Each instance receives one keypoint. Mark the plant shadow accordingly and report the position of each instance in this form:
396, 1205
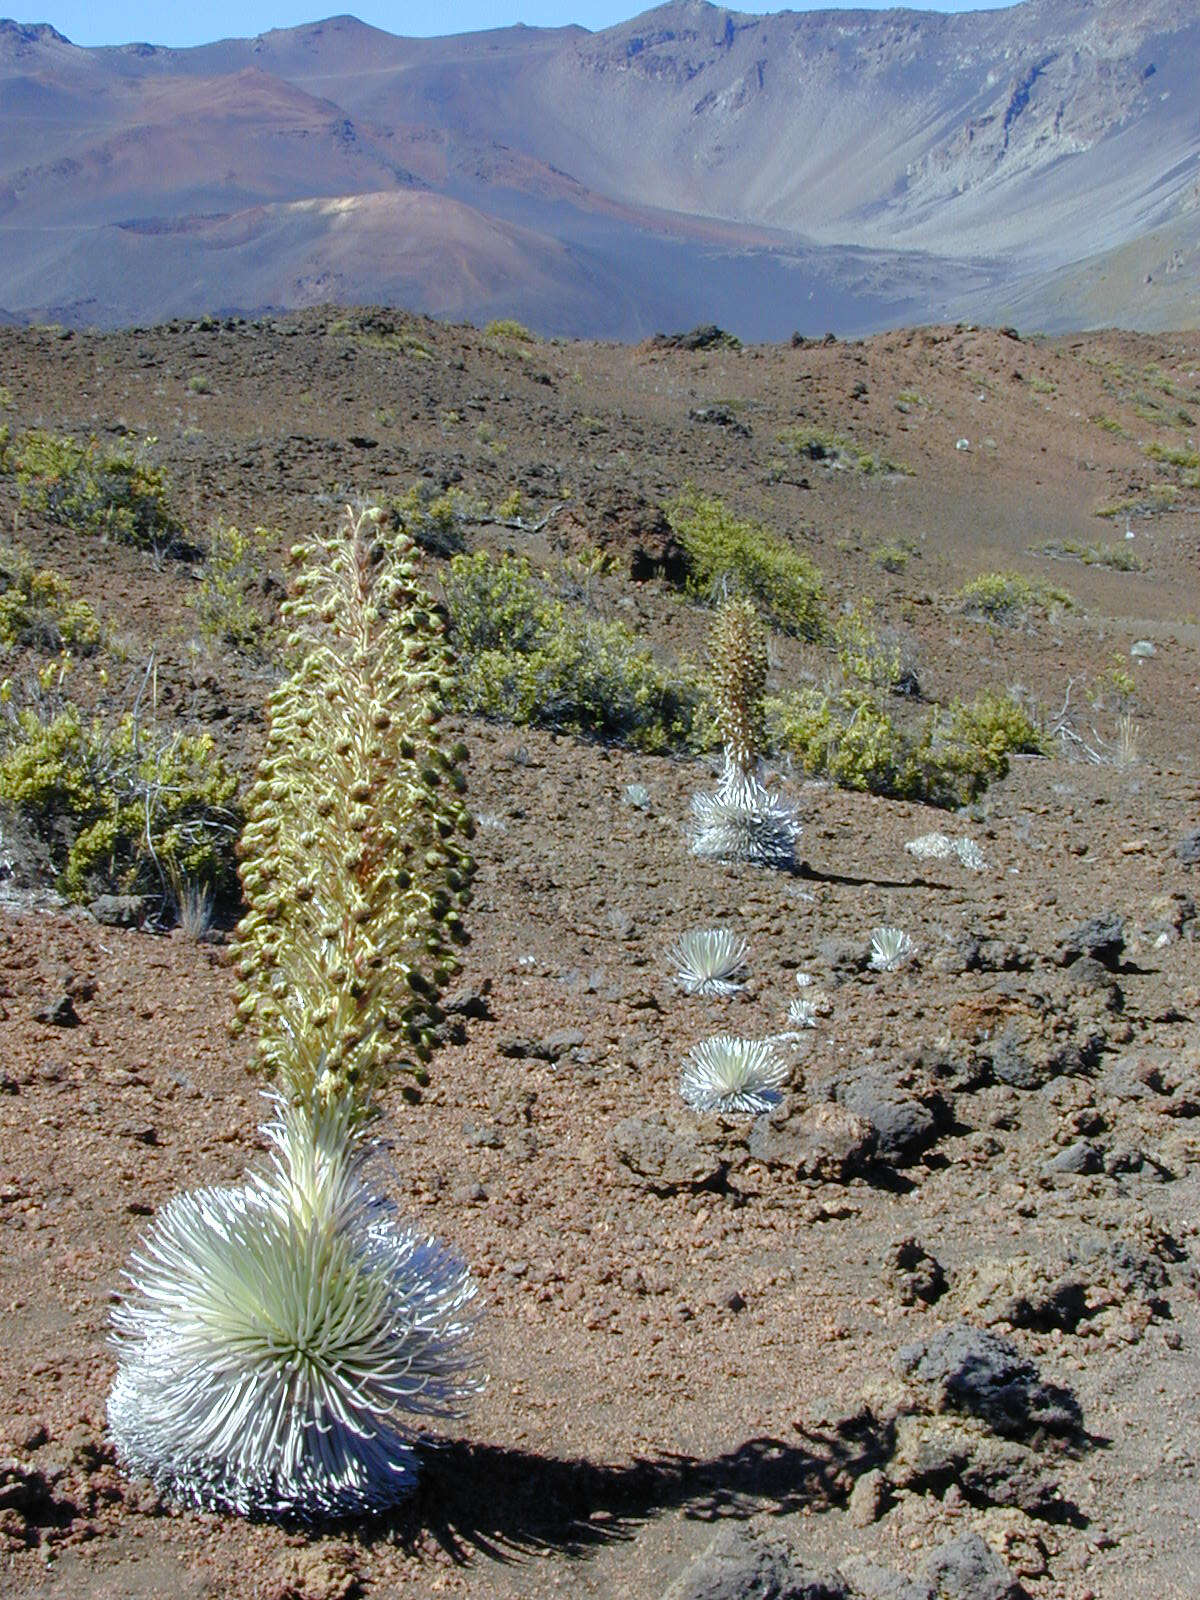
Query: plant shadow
506, 1503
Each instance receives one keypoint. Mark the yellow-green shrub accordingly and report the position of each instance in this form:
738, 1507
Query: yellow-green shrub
38, 611
525, 657
852, 738
112, 492
849, 732
729, 555
508, 328
1008, 598
434, 520
224, 598
121, 809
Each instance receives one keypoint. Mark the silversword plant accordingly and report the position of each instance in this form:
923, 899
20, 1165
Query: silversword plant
709, 961
280, 1339
281, 1336
355, 865
743, 820
730, 1075
891, 948
802, 1013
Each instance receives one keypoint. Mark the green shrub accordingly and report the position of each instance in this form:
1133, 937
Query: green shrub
837, 451
229, 579
849, 734
37, 610
1009, 598
1120, 557
431, 519
728, 555
121, 809
853, 739
112, 492
894, 555
508, 328
1173, 456
525, 657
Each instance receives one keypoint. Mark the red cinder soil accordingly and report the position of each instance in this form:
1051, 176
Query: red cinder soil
667, 1353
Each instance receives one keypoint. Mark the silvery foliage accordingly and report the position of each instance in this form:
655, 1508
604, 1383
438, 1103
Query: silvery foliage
279, 1338
733, 1075
938, 847
709, 961
891, 948
744, 821
802, 1013
636, 795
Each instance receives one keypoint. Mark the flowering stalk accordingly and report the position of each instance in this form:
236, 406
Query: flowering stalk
355, 870
278, 1338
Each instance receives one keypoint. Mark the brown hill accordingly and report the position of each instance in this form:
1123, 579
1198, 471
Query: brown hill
861, 168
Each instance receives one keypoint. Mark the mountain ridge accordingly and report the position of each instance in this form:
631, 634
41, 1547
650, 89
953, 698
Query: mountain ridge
1014, 151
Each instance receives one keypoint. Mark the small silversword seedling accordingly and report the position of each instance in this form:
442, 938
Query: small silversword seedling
891, 948
710, 961
802, 1013
940, 847
731, 1075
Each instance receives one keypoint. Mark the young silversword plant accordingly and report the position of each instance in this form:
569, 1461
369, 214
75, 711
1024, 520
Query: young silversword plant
735, 1076
891, 948
743, 820
710, 961
279, 1339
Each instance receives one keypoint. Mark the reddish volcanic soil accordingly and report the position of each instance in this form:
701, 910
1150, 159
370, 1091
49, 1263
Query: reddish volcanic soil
690, 1324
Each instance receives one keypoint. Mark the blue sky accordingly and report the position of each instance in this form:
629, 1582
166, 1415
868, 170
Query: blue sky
123, 21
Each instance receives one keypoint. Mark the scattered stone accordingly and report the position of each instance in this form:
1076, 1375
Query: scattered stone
550, 1048
968, 1569
913, 1273
707, 336
666, 1157
472, 1003
1188, 848
904, 1126
1024, 1294
119, 910
869, 1581
932, 1453
969, 1369
58, 1013
868, 1498
315, 1572
742, 1565
483, 1135
826, 1142
29, 1504
844, 957
1029, 1051
1102, 938
722, 416
1076, 1160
